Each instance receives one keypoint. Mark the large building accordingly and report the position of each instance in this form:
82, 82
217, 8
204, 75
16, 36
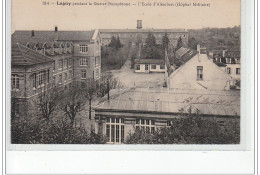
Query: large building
71, 56
139, 34
150, 109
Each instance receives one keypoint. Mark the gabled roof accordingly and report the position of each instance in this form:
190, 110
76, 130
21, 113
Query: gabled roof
148, 61
142, 30
23, 56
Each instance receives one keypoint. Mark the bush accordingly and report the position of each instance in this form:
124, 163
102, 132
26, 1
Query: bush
190, 130
59, 132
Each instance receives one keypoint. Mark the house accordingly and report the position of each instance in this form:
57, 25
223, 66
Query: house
150, 109
31, 74
229, 61
149, 65
133, 36
182, 55
200, 73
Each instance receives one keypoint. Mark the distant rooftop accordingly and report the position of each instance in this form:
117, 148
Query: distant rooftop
208, 103
148, 61
142, 30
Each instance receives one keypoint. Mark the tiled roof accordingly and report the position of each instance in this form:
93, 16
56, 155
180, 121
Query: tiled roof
232, 54
211, 103
25, 36
76, 35
21, 55
142, 30
148, 61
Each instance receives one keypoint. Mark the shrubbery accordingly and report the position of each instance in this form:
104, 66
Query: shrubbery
40, 131
190, 130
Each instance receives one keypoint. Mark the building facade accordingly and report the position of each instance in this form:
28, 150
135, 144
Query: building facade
149, 109
139, 34
149, 66
72, 56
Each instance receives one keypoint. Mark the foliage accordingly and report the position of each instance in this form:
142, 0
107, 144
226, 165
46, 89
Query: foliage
165, 41
192, 43
191, 129
218, 38
150, 40
112, 58
179, 43
154, 52
38, 131
115, 43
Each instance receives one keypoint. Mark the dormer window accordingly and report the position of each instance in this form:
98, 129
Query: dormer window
83, 48
228, 60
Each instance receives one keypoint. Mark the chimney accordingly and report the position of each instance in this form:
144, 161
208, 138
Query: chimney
198, 48
56, 29
33, 34
139, 24
223, 53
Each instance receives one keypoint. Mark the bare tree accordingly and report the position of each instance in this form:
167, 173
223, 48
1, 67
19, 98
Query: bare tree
72, 101
89, 91
47, 102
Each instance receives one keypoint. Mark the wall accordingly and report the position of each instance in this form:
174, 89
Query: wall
157, 69
233, 70
214, 78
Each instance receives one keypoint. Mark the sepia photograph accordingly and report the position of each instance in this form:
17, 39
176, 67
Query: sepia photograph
125, 72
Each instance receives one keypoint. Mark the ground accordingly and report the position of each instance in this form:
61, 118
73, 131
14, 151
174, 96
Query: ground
130, 79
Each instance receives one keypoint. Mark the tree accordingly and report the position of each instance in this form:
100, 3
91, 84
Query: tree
150, 40
180, 43
89, 91
165, 41
118, 43
72, 101
47, 101
192, 43
113, 42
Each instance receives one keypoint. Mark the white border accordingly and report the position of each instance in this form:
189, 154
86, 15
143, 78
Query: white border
149, 161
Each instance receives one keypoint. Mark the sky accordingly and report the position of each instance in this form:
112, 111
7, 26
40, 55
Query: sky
32, 15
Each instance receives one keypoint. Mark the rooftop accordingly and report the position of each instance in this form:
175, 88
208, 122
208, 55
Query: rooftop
148, 61
207, 102
142, 30
22, 56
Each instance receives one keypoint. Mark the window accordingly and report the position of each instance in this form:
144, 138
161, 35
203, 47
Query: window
54, 80
238, 71
83, 74
162, 66
145, 125
199, 72
137, 67
60, 65
65, 63
169, 123
15, 82
238, 60
83, 48
48, 76
34, 80
65, 77
83, 61
115, 130
70, 74
97, 73
228, 60
228, 70
41, 78
70, 62
146, 67
60, 79
153, 66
